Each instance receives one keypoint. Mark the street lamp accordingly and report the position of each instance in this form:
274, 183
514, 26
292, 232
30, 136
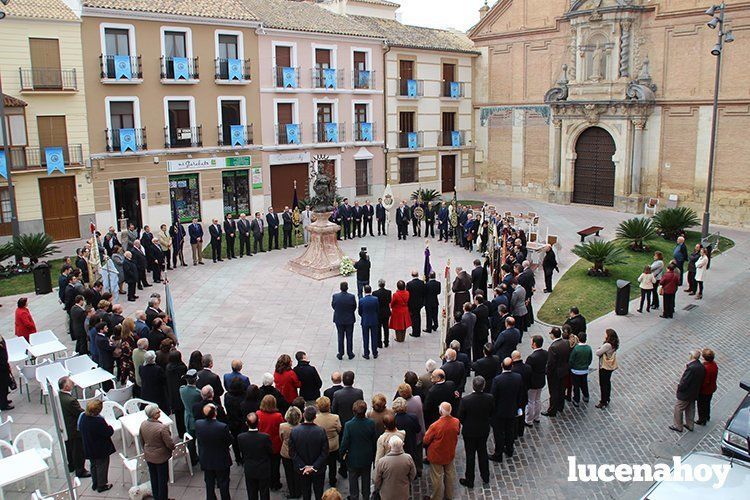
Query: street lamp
717, 21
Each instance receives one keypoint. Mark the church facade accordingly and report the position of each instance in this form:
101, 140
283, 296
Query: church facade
609, 102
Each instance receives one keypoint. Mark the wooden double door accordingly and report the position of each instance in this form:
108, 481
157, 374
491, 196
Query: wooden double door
594, 176
59, 207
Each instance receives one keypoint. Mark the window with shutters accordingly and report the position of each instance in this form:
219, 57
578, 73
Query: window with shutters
407, 170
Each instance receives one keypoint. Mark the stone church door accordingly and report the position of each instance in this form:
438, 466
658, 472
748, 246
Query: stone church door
594, 176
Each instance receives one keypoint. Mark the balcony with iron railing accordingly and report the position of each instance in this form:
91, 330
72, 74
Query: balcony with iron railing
48, 80
286, 136
126, 140
286, 77
412, 89
452, 138
364, 132
227, 138
410, 140
453, 90
225, 72
363, 79
183, 137
32, 158
179, 69
327, 78
120, 69
329, 132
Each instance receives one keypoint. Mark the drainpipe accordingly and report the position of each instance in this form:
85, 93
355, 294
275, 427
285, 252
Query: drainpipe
385, 113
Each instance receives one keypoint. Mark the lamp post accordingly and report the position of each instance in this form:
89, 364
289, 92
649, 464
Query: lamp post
717, 20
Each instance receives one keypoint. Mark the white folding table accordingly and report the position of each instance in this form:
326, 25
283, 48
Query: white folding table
21, 466
47, 348
131, 424
91, 377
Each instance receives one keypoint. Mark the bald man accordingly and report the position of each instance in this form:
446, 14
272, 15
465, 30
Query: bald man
440, 440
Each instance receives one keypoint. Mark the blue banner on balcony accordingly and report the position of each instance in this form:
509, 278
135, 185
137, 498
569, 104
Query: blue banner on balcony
235, 69
123, 68
292, 133
411, 140
363, 79
411, 88
456, 139
238, 135
55, 160
455, 90
329, 78
332, 132
3, 165
181, 68
365, 132
127, 140
289, 78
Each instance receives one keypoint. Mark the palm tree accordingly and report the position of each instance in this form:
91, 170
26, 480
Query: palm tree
600, 253
635, 232
34, 246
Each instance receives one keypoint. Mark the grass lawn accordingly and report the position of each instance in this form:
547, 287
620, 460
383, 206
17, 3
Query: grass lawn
472, 203
24, 283
595, 297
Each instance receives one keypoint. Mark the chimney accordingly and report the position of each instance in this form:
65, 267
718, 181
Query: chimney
483, 10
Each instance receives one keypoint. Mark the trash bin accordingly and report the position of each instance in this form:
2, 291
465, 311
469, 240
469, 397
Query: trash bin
622, 302
42, 278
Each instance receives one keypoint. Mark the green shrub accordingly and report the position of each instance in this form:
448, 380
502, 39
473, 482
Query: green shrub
601, 254
34, 246
7, 251
427, 195
671, 222
635, 232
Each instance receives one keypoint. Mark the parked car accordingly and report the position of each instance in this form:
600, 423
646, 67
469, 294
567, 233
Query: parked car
736, 439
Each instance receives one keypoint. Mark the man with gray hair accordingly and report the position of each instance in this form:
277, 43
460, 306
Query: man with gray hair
71, 411
425, 380
384, 297
152, 311
687, 392
440, 440
207, 377
130, 275
395, 471
157, 450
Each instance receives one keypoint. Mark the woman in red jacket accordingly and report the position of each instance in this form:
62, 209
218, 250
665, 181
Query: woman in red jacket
269, 421
400, 318
285, 379
668, 284
707, 388
25, 325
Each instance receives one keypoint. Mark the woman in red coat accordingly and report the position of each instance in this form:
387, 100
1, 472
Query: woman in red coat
708, 387
400, 318
269, 421
25, 325
669, 283
285, 379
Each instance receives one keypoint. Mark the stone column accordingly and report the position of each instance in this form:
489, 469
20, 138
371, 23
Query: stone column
518, 154
635, 179
556, 159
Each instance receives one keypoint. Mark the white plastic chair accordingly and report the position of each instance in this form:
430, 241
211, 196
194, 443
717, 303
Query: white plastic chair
52, 372
39, 440
17, 347
136, 466
120, 395
6, 430
134, 405
27, 373
181, 451
59, 495
110, 410
7, 449
42, 337
83, 402
79, 364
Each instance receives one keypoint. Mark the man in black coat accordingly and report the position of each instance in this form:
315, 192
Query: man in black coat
475, 415
442, 390
230, 230
403, 216
537, 360
416, 289
139, 256
527, 280
384, 312
345, 397
458, 331
506, 389
308, 449
357, 215
214, 439
272, 220
507, 340
215, 231
454, 370
524, 370
207, 377
416, 224
549, 264
243, 231
336, 380
308, 377
481, 327
130, 271
576, 321
687, 392
432, 303
488, 367
77, 328
368, 213
479, 279
286, 227
105, 350
558, 367
429, 220
256, 452
71, 410
345, 211
256, 227
381, 216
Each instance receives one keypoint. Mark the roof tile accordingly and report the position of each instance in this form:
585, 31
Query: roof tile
39, 9
217, 9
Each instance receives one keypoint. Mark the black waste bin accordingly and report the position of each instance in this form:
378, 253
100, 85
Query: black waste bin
622, 302
42, 278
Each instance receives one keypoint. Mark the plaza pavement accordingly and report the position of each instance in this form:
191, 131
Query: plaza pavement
253, 309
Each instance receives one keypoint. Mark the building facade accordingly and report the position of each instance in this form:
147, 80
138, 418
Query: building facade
41, 67
608, 102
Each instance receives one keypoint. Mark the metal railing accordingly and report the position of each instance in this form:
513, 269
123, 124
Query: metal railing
319, 80
447, 89
446, 138
282, 137
222, 69
114, 143
170, 72
48, 79
26, 158
358, 134
183, 137
225, 135
408, 89
323, 133
363, 79
108, 71
278, 77
410, 140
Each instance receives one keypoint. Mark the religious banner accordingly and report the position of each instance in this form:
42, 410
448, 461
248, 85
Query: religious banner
411, 139
332, 132
3, 165
289, 77
55, 160
329, 78
181, 68
456, 139
411, 88
123, 68
235, 69
365, 132
455, 90
238, 135
363, 79
127, 139
292, 133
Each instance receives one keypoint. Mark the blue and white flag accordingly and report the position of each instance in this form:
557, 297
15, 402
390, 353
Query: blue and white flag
127, 139
55, 160
455, 90
235, 69
3, 165
456, 139
329, 78
238, 135
411, 139
289, 77
365, 131
292, 133
181, 68
332, 132
411, 88
123, 68
363, 79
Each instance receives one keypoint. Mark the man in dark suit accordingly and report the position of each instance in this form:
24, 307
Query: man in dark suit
104, 350
130, 272
370, 322
403, 216
687, 392
442, 218
558, 367
243, 230
156, 259
214, 230
214, 439
429, 220
195, 232
549, 264
141, 262
256, 452
71, 410
506, 389
381, 216
384, 312
344, 398
454, 370
475, 415
357, 215
576, 321
77, 329
368, 213
488, 367
527, 280
345, 211
478, 279
416, 223
431, 303
442, 390
272, 219
344, 304
177, 233
256, 227
207, 377
481, 326
416, 289
308, 376
537, 360
230, 230
336, 380
494, 306
308, 449
287, 224
524, 371
508, 339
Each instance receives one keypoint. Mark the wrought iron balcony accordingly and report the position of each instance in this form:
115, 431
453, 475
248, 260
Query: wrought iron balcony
183, 137
119, 142
327, 78
226, 138
363, 79
410, 140
454, 90
111, 71
329, 132
452, 138
30, 158
172, 68
286, 77
284, 137
410, 88
48, 79
222, 70
364, 132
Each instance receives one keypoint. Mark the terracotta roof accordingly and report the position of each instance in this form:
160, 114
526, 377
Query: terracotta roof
217, 9
39, 9
378, 2
417, 37
13, 102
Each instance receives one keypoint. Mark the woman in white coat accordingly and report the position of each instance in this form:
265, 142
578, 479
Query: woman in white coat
700, 271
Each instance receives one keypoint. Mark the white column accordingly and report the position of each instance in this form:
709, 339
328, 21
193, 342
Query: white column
556, 159
635, 179
517, 147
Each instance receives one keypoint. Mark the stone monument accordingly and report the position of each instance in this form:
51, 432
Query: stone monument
322, 257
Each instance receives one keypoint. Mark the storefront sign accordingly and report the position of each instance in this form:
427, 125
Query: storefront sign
190, 164
257, 178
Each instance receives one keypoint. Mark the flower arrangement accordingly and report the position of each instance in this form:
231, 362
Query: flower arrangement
347, 266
